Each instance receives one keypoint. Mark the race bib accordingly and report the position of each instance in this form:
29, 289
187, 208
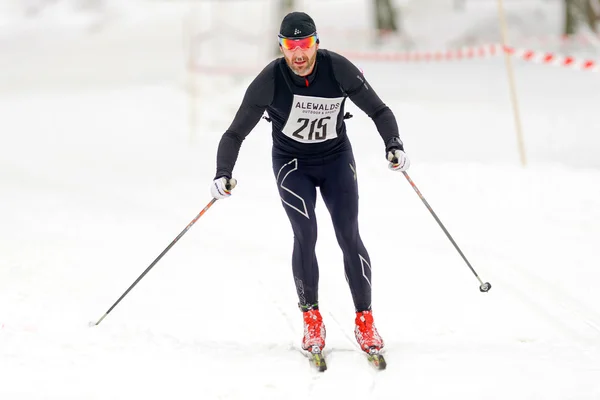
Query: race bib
313, 119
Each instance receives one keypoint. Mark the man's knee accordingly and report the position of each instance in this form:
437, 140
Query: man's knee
306, 233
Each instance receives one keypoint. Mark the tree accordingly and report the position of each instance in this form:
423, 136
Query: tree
592, 11
385, 16
570, 20
581, 11
459, 5
285, 7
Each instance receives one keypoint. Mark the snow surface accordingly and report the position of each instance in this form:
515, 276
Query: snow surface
99, 173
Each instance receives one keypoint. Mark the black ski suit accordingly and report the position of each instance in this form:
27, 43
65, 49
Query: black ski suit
311, 149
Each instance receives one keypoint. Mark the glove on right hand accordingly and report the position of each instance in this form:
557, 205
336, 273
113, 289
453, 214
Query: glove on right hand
221, 187
398, 160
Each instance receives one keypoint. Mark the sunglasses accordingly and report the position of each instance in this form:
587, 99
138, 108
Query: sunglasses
303, 43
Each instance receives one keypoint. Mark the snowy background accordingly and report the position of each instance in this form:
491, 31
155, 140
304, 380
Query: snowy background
107, 152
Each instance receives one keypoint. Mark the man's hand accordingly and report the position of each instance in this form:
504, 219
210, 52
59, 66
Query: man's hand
221, 187
398, 160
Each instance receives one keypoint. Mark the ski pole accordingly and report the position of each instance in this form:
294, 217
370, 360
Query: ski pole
484, 287
158, 258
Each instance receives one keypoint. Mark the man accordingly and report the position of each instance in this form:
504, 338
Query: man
304, 94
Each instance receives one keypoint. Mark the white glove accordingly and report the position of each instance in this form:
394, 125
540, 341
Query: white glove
398, 160
221, 187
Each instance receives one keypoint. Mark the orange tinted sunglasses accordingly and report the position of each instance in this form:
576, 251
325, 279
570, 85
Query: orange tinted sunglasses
303, 43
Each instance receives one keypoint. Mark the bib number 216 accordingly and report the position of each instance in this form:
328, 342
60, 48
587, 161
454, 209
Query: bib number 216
317, 128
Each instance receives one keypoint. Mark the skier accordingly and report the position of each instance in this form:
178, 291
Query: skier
304, 93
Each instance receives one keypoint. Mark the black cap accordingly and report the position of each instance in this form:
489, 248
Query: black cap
297, 25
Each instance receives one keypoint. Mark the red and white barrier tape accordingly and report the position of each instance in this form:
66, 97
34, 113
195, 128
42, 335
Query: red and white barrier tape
554, 59
479, 52
586, 40
485, 51
446, 55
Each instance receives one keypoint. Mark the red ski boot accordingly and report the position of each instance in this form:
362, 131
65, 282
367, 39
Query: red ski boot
365, 332
314, 330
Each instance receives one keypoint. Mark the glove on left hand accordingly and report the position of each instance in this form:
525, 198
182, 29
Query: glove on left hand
221, 187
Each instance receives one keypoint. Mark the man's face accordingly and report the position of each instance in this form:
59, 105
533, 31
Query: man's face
300, 60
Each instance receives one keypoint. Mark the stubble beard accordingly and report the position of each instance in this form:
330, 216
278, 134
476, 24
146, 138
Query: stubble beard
301, 71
